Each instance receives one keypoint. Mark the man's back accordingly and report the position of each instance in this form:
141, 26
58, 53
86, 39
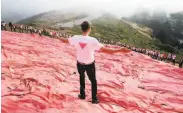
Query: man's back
85, 46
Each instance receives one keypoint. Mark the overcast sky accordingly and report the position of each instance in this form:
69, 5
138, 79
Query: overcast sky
117, 7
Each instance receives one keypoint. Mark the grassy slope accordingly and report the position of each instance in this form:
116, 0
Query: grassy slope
108, 27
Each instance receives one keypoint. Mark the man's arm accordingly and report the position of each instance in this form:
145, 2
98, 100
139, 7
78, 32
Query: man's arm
64, 40
111, 51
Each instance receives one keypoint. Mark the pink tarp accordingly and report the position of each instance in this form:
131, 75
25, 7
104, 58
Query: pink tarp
39, 76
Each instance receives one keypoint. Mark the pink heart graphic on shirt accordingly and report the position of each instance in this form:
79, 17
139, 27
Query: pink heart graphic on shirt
82, 45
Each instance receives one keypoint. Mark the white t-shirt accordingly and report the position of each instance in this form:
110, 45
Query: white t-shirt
4, 24
85, 46
173, 57
50, 33
159, 54
169, 55
162, 55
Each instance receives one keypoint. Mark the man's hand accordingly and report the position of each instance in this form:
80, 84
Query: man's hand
124, 50
64, 40
111, 51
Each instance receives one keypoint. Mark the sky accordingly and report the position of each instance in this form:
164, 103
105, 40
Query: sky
115, 7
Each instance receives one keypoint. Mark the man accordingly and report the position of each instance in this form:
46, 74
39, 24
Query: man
155, 55
30, 29
21, 28
11, 25
181, 62
44, 32
159, 56
14, 27
57, 35
54, 34
51, 34
152, 54
35, 30
3, 25
133, 48
173, 58
65, 35
27, 28
40, 32
162, 56
86, 46
169, 57
147, 52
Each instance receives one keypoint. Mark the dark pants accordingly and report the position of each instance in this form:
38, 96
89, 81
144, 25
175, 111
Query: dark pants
14, 29
31, 31
90, 70
3, 28
21, 30
11, 27
40, 34
180, 64
173, 60
27, 30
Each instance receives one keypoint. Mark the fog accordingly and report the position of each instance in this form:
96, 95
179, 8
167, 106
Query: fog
19, 9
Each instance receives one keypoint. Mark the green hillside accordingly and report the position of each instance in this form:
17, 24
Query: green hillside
108, 27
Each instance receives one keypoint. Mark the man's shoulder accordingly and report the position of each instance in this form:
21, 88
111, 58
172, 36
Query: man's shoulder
92, 38
75, 36
80, 36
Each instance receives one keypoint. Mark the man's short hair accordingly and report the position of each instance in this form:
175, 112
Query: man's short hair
85, 26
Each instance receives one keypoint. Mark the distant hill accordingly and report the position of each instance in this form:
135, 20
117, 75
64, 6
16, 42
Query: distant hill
13, 17
104, 26
51, 18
